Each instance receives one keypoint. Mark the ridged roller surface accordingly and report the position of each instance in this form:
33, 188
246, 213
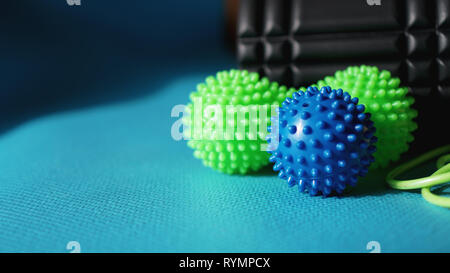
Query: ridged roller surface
298, 42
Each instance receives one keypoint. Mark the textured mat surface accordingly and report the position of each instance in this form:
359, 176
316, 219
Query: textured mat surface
113, 179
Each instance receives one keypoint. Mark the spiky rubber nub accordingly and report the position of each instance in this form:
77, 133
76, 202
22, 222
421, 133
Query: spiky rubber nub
326, 141
234, 87
386, 101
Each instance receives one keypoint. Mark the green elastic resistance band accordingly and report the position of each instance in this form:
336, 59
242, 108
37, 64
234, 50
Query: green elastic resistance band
426, 192
441, 176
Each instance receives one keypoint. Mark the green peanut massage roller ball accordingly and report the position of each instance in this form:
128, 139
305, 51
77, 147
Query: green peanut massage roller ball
386, 101
221, 126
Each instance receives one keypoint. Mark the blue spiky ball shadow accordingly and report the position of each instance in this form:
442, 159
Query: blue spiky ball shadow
325, 141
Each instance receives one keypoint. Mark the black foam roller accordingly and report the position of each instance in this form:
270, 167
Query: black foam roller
298, 42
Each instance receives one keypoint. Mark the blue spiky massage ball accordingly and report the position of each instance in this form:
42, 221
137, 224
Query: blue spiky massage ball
325, 141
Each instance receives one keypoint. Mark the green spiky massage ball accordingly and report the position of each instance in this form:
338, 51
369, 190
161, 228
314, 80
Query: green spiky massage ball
386, 101
232, 151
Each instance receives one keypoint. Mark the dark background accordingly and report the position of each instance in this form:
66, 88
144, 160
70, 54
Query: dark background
55, 57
